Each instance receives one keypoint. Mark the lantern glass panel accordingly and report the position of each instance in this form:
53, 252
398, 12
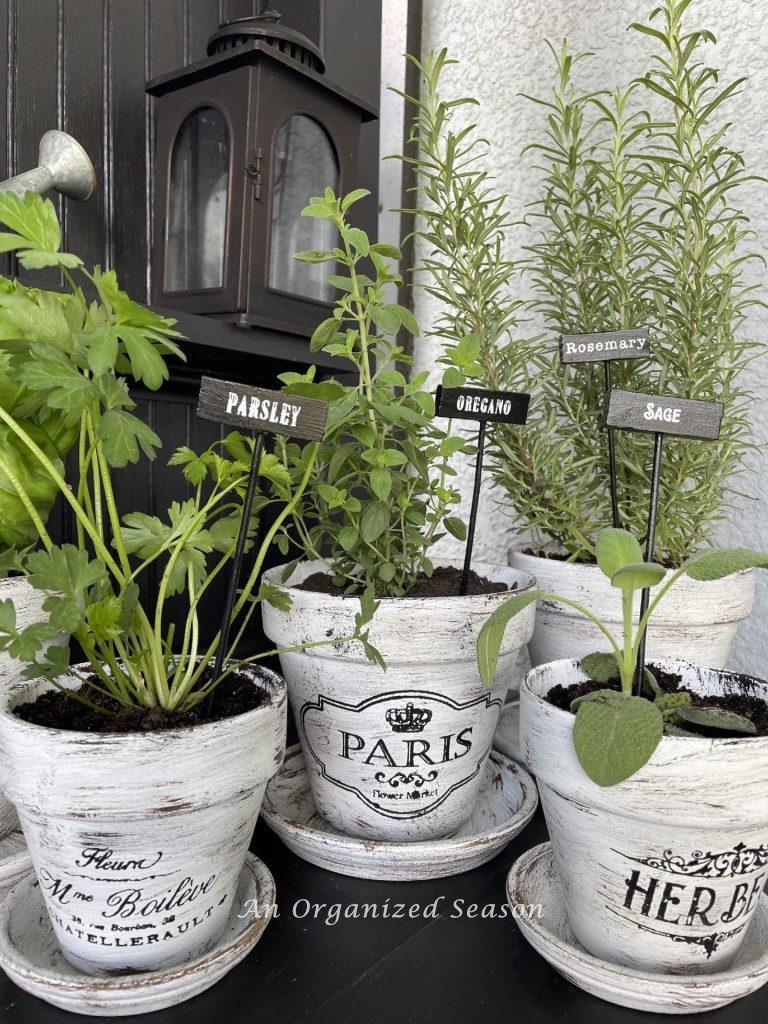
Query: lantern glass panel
197, 215
305, 165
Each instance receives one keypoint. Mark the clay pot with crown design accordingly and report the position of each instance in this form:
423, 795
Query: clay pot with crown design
395, 755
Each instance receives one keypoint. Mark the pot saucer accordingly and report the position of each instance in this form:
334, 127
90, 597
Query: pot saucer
15, 861
533, 880
507, 802
30, 955
506, 739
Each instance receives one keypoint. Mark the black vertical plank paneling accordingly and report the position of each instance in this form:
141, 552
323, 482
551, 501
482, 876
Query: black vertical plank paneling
36, 92
125, 68
7, 70
352, 42
83, 117
165, 50
239, 8
166, 36
202, 21
303, 15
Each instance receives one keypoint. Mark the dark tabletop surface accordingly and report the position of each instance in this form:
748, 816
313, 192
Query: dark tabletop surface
388, 971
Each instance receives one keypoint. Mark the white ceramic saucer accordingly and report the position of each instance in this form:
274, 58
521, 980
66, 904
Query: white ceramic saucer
507, 736
15, 861
30, 955
507, 802
533, 881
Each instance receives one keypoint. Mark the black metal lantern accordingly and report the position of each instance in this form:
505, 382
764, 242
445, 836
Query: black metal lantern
243, 139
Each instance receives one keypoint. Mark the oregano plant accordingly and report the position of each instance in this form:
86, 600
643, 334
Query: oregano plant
382, 492
616, 732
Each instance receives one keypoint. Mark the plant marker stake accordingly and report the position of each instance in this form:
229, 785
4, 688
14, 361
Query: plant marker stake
473, 512
237, 567
650, 544
660, 415
605, 348
612, 454
260, 411
484, 407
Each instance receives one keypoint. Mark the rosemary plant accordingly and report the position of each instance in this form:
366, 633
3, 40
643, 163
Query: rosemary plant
464, 227
381, 495
79, 362
640, 226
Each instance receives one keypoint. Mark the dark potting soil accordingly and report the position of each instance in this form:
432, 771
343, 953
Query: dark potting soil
444, 582
234, 696
745, 704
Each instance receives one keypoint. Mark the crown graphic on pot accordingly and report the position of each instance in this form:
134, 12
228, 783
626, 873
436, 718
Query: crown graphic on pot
408, 719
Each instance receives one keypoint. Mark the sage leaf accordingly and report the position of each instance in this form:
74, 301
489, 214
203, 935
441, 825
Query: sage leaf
601, 666
714, 565
638, 576
492, 634
615, 738
718, 718
615, 549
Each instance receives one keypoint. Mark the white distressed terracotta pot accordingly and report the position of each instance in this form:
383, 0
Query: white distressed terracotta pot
664, 871
696, 622
28, 603
138, 839
396, 755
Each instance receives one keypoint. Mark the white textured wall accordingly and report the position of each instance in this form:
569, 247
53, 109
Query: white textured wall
500, 44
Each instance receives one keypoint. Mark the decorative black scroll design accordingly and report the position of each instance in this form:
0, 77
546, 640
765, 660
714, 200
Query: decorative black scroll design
741, 860
709, 943
405, 780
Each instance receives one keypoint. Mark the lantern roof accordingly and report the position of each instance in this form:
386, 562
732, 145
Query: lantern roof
253, 52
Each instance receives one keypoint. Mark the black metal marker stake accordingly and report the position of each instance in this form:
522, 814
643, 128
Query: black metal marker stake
660, 415
483, 407
473, 511
606, 347
612, 453
262, 412
237, 566
650, 545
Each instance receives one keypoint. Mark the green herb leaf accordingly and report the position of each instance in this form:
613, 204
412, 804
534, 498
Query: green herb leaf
375, 521
456, 527
37, 235
602, 667
492, 633
721, 562
718, 718
638, 576
146, 363
121, 435
381, 484
323, 333
67, 570
615, 737
615, 549
387, 319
